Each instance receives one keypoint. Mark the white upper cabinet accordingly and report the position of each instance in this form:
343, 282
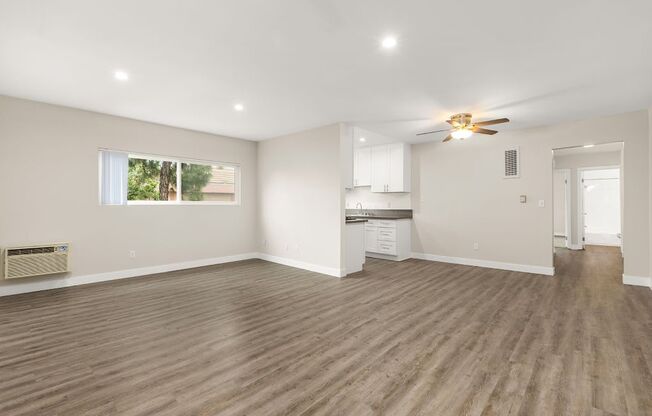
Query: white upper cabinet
362, 167
379, 168
390, 168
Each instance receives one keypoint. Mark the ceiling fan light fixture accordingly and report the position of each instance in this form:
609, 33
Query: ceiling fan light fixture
460, 134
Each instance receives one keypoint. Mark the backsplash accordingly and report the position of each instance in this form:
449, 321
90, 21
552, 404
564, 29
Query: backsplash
374, 200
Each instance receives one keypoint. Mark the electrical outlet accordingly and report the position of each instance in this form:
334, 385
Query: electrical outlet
132, 254
476, 246
542, 203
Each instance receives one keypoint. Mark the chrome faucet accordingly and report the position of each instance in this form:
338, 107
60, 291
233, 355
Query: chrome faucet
359, 209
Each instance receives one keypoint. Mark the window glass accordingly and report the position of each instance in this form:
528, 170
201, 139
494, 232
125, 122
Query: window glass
201, 182
152, 180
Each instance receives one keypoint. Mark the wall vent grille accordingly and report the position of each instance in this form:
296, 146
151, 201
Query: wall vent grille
512, 163
35, 261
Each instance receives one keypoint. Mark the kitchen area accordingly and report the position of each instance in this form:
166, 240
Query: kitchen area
378, 205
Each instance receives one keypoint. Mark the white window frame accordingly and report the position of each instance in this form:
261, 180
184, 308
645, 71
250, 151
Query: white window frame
179, 161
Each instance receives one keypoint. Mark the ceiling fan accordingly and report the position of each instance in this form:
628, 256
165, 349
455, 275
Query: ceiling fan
463, 127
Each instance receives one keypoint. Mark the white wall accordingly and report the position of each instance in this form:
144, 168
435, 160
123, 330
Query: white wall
376, 200
583, 160
49, 166
459, 195
301, 212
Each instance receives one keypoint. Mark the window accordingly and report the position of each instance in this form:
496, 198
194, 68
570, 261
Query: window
165, 180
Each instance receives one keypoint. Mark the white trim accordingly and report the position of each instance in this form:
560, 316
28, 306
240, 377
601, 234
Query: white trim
331, 271
575, 247
177, 203
637, 280
26, 285
34, 286
525, 268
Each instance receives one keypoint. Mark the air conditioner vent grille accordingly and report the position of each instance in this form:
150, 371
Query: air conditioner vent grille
512, 163
35, 261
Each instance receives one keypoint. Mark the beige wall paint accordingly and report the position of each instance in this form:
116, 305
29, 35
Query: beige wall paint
301, 197
49, 166
587, 160
459, 195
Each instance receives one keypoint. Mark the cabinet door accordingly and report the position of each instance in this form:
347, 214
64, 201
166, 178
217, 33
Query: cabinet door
395, 157
371, 239
379, 168
362, 166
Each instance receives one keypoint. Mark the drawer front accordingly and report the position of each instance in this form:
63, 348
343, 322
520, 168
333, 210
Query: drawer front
386, 223
387, 247
371, 223
386, 234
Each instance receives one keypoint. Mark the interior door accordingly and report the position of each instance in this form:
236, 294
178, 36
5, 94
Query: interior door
601, 207
560, 184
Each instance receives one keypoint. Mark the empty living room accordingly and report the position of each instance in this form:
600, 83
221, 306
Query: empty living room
325, 207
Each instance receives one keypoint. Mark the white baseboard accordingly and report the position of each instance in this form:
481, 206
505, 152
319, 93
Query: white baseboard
637, 280
549, 271
575, 247
331, 271
25, 285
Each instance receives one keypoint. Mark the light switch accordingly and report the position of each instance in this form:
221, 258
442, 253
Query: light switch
542, 203
523, 199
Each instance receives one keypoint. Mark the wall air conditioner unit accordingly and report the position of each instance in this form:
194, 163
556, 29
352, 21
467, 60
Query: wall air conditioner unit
35, 260
512, 163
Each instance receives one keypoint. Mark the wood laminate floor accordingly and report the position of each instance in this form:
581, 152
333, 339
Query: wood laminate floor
409, 338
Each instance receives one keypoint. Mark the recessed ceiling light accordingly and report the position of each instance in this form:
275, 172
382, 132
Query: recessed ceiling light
362, 139
589, 145
389, 42
121, 75
238, 107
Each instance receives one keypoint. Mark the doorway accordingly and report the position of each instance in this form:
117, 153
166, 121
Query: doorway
587, 198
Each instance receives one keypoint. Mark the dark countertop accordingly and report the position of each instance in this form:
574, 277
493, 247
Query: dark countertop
379, 214
356, 220
378, 217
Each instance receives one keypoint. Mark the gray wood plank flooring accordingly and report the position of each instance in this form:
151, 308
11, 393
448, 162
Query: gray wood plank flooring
409, 338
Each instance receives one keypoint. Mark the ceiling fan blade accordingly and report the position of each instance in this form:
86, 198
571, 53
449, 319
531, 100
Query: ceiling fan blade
480, 130
430, 132
490, 122
448, 138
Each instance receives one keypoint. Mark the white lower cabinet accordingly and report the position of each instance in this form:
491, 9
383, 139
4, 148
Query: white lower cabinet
370, 238
388, 239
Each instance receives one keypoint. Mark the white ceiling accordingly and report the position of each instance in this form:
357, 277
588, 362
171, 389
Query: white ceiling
297, 64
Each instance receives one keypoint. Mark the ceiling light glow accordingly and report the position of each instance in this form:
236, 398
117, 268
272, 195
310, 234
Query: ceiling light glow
362, 139
389, 42
121, 75
586, 146
238, 107
460, 134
